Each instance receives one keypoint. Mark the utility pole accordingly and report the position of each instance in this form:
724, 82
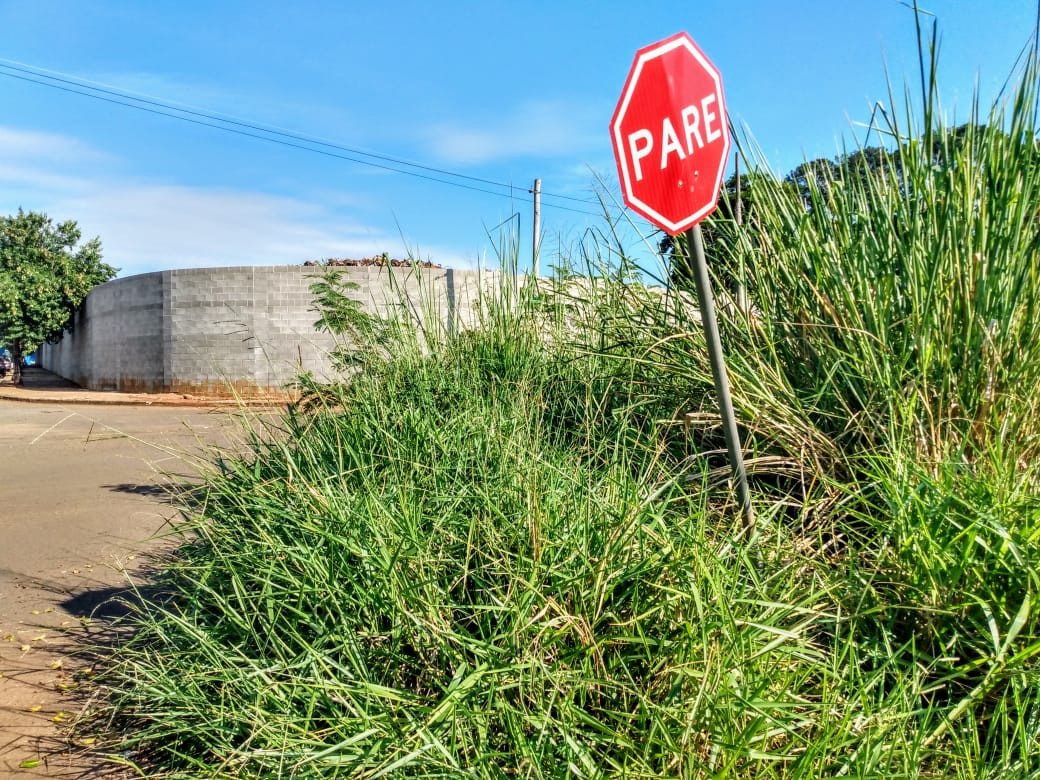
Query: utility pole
537, 222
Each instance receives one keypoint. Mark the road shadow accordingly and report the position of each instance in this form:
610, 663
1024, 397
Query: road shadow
182, 494
111, 608
103, 618
167, 494
37, 378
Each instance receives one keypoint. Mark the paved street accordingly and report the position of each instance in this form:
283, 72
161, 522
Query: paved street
80, 505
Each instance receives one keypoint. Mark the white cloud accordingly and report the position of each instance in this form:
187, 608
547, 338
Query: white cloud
283, 112
30, 145
148, 226
32, 162
192, 94
554, 128
22, 183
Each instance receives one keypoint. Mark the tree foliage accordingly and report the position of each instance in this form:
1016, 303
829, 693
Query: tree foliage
812, 182
45, 273
736, 205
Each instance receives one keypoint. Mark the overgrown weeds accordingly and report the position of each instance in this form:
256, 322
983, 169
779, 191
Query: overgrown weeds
506, 547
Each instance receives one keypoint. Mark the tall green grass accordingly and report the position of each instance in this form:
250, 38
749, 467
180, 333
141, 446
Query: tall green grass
509, 548
900, 307
446, 568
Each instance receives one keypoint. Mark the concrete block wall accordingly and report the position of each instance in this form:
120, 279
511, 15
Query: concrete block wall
112, 344
237, 329
245, 328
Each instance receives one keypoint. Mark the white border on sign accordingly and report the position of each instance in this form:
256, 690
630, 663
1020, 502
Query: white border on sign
619, 147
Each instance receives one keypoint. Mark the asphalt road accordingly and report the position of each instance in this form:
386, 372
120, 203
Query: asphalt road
81, 504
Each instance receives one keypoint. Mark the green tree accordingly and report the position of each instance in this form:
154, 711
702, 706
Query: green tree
721, 231
44, 277
812, 182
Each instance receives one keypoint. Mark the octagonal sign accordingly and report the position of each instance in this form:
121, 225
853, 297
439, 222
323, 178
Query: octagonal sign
670, 134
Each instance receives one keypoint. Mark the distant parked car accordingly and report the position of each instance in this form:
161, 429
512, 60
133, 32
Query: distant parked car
5, 364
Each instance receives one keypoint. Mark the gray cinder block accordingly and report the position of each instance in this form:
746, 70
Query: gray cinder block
237, 329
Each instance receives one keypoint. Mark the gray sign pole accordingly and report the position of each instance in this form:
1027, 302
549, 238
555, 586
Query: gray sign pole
706, 301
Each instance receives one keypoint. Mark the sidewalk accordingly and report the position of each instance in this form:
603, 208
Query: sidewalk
42, 386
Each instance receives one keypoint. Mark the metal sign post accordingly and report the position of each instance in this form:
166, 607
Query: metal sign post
670, 133
706, 302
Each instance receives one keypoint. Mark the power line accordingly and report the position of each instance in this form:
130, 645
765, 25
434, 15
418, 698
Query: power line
511, 194
253, 135
240, 123
271, 135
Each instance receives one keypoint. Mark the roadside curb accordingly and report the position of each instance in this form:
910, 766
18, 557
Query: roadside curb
44, 387
102, 398
193, 404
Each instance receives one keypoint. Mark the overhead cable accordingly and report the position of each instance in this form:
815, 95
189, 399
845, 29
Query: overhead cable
234, 125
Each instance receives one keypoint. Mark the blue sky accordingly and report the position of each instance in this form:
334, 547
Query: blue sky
505, 92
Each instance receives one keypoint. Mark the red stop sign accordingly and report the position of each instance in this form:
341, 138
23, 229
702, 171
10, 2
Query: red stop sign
670, 134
